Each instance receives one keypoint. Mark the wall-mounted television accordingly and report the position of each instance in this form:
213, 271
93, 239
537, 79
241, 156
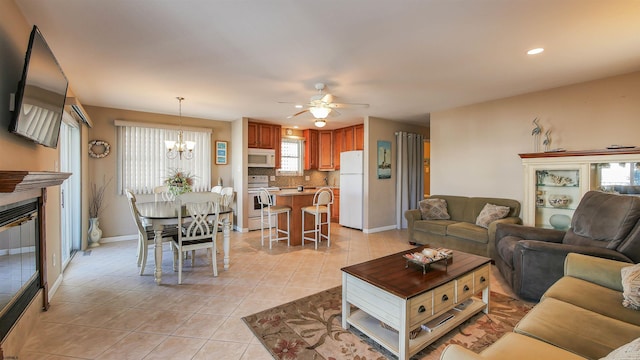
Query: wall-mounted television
41, 94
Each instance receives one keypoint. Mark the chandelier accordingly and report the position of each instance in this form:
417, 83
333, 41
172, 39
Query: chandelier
180, 148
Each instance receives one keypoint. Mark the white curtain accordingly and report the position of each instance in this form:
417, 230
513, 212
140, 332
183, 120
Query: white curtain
410, 183
142, 160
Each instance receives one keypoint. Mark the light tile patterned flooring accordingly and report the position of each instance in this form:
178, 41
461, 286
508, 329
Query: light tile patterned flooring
105, 310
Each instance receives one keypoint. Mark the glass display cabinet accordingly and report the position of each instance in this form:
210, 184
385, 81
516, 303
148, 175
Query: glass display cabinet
554, 182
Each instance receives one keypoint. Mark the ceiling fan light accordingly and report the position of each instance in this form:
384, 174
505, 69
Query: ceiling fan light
320, 123
320, 112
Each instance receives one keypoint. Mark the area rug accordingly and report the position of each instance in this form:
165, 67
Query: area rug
310, 328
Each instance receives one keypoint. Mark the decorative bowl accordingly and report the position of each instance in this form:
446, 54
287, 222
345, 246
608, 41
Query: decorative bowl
559, 201
560, 221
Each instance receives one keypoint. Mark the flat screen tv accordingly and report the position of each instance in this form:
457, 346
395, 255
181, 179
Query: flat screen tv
41, 93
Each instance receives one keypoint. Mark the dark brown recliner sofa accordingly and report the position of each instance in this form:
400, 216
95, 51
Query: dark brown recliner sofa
603, 225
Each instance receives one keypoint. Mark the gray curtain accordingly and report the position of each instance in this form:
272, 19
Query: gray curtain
410, 170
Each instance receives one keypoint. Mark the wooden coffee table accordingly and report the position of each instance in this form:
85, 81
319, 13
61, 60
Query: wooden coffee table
387, 292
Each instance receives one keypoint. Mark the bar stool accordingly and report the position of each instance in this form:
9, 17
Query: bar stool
269, 210
322, 200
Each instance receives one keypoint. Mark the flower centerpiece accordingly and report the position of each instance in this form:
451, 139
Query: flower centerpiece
179, 182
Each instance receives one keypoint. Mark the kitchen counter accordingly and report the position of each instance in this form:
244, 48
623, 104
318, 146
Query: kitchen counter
294, 192
296, 200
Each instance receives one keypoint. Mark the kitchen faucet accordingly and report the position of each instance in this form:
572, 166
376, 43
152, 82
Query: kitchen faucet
326, 181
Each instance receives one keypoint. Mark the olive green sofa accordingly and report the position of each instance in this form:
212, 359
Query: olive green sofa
461, 232
579, 317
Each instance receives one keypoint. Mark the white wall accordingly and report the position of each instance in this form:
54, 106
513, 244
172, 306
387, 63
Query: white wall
474, 149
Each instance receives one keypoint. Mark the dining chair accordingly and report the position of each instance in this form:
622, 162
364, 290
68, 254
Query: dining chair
322, 200
198, 228
146, 235
268, 210
216, 189
227, 194
162, 193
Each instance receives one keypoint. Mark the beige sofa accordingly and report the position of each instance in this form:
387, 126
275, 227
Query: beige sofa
460, 232
579, 317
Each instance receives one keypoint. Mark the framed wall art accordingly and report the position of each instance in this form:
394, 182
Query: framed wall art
221, 153
384, 159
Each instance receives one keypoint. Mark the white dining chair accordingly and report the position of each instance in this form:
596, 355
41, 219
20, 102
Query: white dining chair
198, 228
146, 235
267, 212
228, 195
216, 189
322, 200
161, 193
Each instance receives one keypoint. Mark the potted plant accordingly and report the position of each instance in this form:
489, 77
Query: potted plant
179, 182
96, 204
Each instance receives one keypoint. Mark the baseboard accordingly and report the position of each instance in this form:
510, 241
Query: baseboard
118, 238
378, 229
55, 286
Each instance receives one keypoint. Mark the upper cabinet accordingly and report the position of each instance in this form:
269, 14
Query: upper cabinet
555, 182
347, 139
338, 140
325, 150
310, 149
358, 137
264, 136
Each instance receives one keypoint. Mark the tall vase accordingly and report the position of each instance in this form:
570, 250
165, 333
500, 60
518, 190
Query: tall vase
95, 234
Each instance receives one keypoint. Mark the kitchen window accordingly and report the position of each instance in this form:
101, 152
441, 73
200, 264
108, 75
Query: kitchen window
291, 157
142, 159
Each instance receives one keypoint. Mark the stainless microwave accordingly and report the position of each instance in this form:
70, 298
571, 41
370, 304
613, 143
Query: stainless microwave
265, 158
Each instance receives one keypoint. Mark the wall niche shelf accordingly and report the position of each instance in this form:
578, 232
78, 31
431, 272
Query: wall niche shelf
554, 182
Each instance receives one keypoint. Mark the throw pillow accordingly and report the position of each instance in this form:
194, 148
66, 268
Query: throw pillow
630, 351
631, 286
434, 209
491, 213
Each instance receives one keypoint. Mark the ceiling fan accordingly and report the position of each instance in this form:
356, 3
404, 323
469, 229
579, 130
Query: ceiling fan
321, 105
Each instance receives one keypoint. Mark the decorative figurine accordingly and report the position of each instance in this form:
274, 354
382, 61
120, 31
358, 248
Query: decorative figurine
536, 135
547, 140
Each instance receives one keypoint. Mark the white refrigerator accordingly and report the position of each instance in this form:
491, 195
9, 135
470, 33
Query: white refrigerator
351, 189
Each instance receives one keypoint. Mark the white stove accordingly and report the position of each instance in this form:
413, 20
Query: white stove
254, 183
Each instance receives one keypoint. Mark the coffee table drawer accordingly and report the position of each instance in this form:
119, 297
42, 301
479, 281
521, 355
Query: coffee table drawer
420, 308
481, 278
464, 288
443, 297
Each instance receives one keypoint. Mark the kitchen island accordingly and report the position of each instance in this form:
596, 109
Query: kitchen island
296, 200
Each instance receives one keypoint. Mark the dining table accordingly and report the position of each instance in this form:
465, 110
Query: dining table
163, 214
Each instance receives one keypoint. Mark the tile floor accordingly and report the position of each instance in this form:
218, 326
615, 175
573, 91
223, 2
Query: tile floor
105, 310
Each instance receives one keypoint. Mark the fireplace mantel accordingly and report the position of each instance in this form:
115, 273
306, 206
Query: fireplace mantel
13, 181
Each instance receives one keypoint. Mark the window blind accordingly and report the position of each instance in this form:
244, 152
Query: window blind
142, 159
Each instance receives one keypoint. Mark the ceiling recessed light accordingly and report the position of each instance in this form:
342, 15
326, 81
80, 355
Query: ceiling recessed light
535, 51
298, 106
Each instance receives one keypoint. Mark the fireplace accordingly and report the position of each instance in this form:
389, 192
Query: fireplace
23, 268
19, 267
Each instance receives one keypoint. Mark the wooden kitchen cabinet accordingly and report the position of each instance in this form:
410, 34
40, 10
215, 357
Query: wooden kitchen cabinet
325, 150
358, 135
349, 139
263, 136
338, 139
335, 207
278, 145
310, 149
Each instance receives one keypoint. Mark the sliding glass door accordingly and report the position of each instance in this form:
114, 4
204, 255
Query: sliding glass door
69, 145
